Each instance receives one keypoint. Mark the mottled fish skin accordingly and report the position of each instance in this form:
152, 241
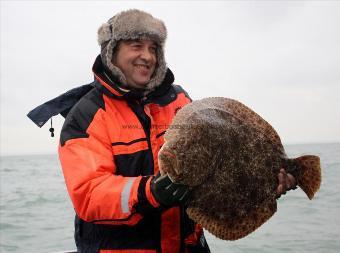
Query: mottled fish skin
230, 157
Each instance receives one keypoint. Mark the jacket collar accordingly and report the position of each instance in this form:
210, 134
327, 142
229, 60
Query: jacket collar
111, 85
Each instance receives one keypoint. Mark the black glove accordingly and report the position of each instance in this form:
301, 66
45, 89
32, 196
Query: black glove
168, 193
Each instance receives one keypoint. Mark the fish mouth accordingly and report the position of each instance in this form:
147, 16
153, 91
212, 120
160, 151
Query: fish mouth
168, 162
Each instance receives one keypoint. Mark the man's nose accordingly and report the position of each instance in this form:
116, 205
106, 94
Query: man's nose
146, 54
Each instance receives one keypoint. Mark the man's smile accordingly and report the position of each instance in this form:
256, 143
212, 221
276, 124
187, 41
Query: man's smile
142, 66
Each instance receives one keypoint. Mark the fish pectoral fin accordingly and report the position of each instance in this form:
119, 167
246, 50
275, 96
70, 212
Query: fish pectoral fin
309, 178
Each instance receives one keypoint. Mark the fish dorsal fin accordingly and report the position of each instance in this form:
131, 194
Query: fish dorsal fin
246, 115
236, 228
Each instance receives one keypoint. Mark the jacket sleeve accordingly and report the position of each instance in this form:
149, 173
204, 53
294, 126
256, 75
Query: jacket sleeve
97, 194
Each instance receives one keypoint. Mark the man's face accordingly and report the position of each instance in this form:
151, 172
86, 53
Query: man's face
137, 60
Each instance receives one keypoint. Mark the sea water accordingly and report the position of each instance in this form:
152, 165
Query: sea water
36, 214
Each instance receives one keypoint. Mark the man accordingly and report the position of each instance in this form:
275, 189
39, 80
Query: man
110, 141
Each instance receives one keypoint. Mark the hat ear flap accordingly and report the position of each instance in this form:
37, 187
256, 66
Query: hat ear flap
104, 33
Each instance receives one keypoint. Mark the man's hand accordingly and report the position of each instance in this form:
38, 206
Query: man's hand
286, 182
168, 193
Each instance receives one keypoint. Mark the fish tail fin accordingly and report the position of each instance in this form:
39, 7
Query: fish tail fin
309, 176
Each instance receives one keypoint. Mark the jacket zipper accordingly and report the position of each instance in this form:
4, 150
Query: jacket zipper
144, 119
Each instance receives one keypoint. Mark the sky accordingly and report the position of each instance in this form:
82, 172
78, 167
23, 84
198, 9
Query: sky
280, 58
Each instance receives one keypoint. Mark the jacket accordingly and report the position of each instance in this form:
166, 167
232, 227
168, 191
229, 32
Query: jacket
108, 150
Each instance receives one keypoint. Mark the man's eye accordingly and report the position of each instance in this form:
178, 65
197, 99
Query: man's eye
153, 49
136, 45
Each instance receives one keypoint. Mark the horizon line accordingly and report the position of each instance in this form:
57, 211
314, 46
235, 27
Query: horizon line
284, 144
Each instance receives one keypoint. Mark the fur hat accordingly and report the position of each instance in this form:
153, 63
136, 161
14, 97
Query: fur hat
130, 25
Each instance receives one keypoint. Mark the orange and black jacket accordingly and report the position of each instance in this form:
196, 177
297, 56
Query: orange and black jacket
108, 150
